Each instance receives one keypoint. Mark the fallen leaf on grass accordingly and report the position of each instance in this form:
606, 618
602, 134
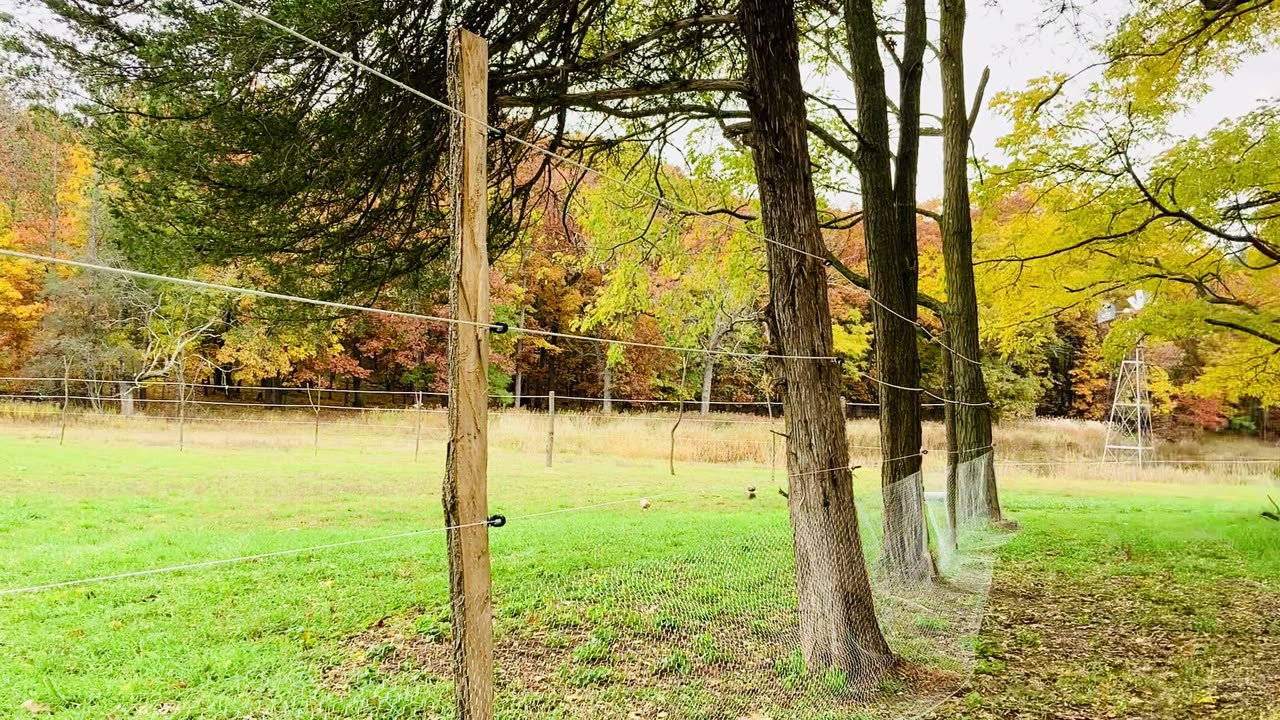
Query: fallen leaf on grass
36, 708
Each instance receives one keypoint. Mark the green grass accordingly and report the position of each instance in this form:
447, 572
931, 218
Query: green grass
1132, 601
1200, 534
255, 638
638, 609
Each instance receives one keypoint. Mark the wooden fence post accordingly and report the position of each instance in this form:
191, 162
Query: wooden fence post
465, 493
417, 426
551, 425
315, 408
66, 398
182, 403
684, 375
773, 442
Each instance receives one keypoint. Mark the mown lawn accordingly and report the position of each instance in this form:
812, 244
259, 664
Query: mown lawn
1138, 601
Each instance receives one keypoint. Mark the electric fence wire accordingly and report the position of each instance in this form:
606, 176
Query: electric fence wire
871, 296
224, 387
142, 417
433, 318
213, 403
483, 122
325, 546
625, 417
396, 313
528, 331
382, 538
214, 387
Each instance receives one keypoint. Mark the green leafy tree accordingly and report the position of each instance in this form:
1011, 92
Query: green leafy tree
700, 280
1101, 197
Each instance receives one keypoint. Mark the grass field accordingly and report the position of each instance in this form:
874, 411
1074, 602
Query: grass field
1155, 597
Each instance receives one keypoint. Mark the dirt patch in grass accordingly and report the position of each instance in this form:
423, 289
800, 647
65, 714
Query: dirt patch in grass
683, 637
737, 671
1064, 647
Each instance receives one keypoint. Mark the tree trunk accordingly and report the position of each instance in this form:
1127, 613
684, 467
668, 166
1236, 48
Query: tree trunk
974, 459
949, 420
606, 379
838, 625
519, 386
889, 218
95, 218
53, 206
708, 374
709, 362
126, 397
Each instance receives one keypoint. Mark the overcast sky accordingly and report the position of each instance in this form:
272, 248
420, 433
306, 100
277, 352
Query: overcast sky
1007, 36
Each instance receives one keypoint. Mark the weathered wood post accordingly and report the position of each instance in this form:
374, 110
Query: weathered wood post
66, 398
684, 375
315, 409
466, 482
551, 425
417, 426
773, 442
182, 404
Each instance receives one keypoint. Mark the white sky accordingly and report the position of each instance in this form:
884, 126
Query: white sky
1007, 37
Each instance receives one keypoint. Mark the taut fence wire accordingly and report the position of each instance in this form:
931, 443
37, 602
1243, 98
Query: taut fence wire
618, 590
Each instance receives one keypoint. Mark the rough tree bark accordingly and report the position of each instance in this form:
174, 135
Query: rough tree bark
949, 420
838, 626
973, 460
889, 217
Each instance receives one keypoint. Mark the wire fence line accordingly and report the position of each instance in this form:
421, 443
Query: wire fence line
215, 388
495, 520
383, 538
222, 561
348, 59
492, 521
1147, 461
501, 327
51, 408
642, 588
721, 419
52, 412
224, 387
583, 167
213, 403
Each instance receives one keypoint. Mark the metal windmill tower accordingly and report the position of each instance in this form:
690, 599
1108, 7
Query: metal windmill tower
1129, 427
1129, 436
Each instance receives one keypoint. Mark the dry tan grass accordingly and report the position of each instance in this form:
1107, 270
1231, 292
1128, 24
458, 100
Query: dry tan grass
1032, 448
